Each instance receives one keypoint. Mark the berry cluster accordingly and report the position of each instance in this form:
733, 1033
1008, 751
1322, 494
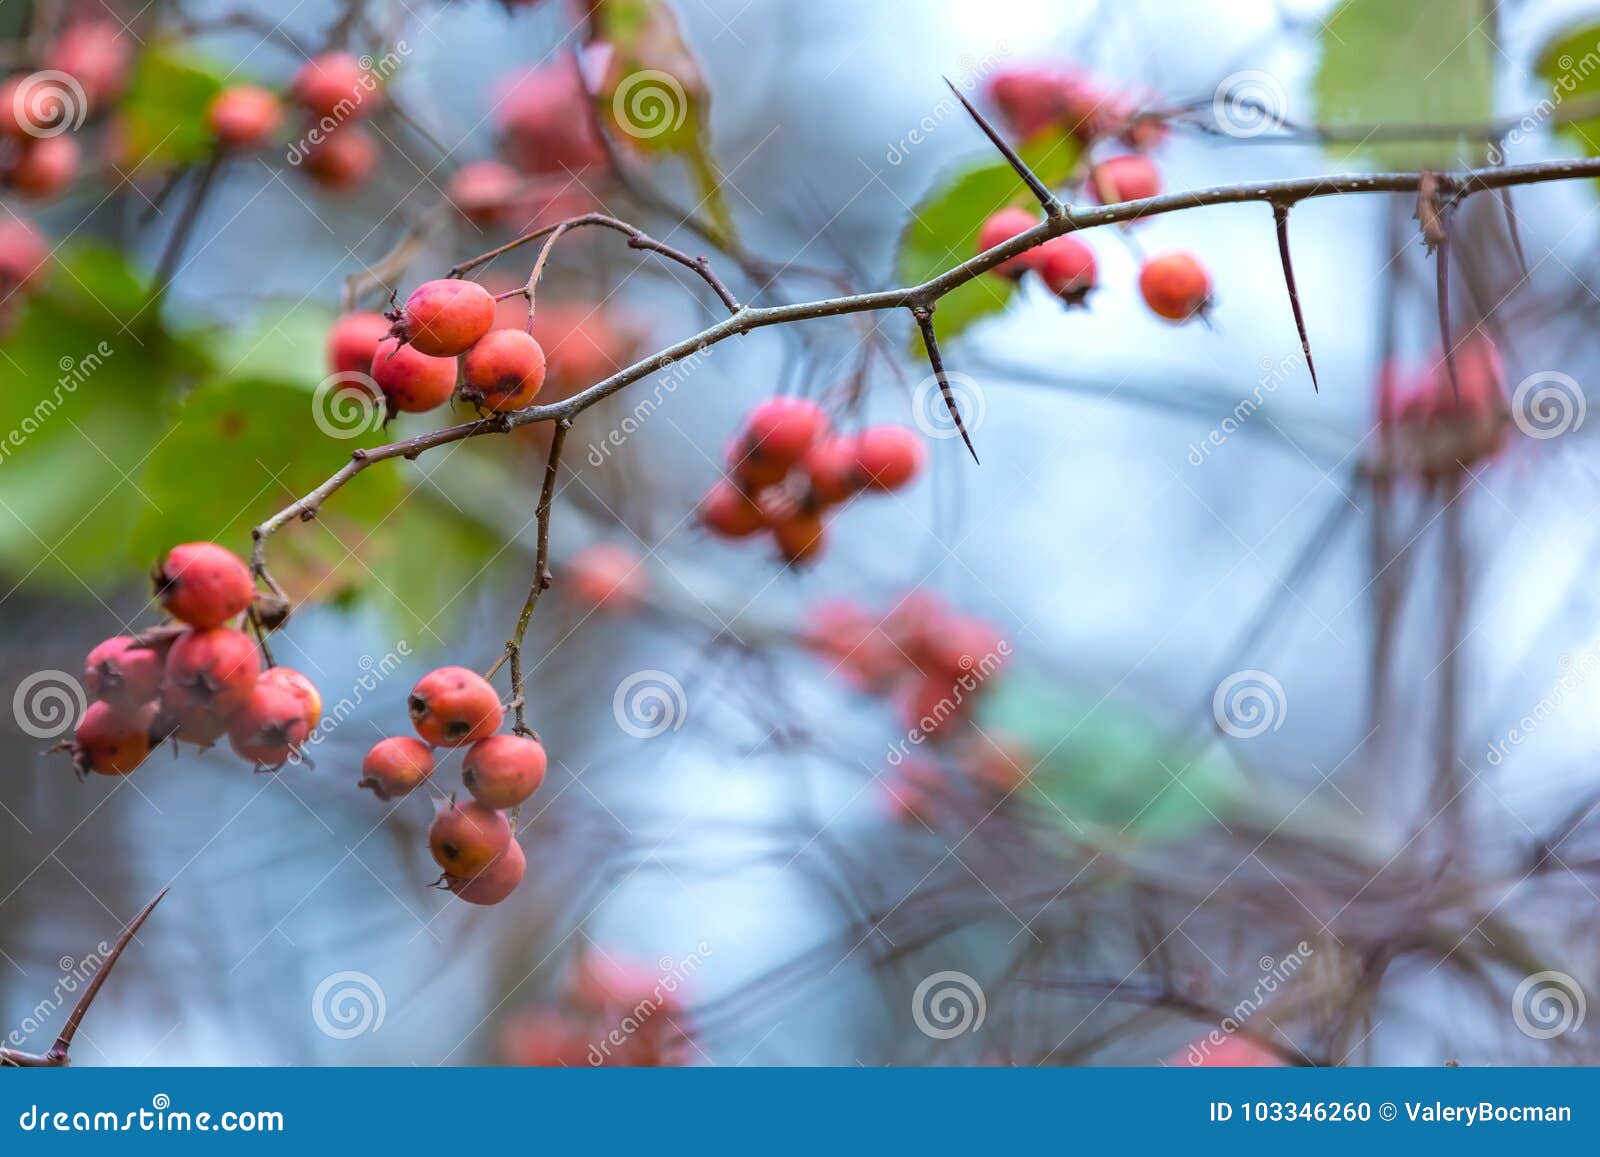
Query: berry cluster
194, 682
1035, 100
472, 841
410, 356
1433, 427
787, 471
614, 1012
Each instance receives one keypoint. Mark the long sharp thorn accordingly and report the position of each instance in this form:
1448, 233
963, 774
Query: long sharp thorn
70, 1029
1047, 199
1442, 258
1515, 231
924, 316
1280, 216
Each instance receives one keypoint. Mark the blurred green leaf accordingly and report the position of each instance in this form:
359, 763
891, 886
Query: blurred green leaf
1567, 63
1109, 765
1417, 63
943, 230
163, 112
431, 557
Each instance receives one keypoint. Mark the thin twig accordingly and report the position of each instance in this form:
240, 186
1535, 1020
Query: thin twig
930, 340
1047, 200
1280, 217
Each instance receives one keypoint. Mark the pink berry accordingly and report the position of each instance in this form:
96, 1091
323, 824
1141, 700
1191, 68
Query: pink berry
494, 883
244, 116
466, 838
1002, 227
396, 767
123, 673
502, 771
203, 584
1129, 177
443, 318
888, 457
502, 371
1175, 286
452, 706
1067, 267
353, 340
335, 86
412, 381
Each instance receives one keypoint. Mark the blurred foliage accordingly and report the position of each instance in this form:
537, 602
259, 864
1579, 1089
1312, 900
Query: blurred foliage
1419, 62
1569, 63
943, 229
163, 112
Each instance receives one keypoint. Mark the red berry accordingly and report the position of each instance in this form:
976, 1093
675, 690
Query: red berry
800, 538
203, 584
1030, 100
546, 123
353, 340
544, 1038
110, 741
23, 254
244, 116
298, 685
1175, 286
444, 317
728, 511
396, 766
1067, 267
781, 430
1129, 177
494, 883
607, 577
270, 728
212, 671
502, 371
830, 468
44, 168
335, 85
962, 644
96, 54
1002, 227
452, 706
855, 642
484, 191
467, 837
343, 159
411, 380
888, 457
580, 341
123, 673
503, 770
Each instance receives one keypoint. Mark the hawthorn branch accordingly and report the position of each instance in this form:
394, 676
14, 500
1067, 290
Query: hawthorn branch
1048, 201
58, 1055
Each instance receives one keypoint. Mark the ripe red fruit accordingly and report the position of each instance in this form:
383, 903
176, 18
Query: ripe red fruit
1175, 286
580, 341
335, 85
353, 340
1129, 177
122, 673
1002, 227
24, 254
110, 741
503, 770
212, 671
411, 380
502, 371
485, 191
467, 837
452, 706
776, 435
545, 122
270, 728
203, 584
495, 882
800, 538
343, 159
396, 766
1067, 267
959, 645
445, 316
298, 685
96, 54
854, 641
607, 577
244, 116
1030, 100
888, 457
44, 168
730, 512
830, 468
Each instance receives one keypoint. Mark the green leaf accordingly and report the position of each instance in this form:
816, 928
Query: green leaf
1418, 63
430, 556
1566, 62
164, 110
1108, 766
943, 230
653, 93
